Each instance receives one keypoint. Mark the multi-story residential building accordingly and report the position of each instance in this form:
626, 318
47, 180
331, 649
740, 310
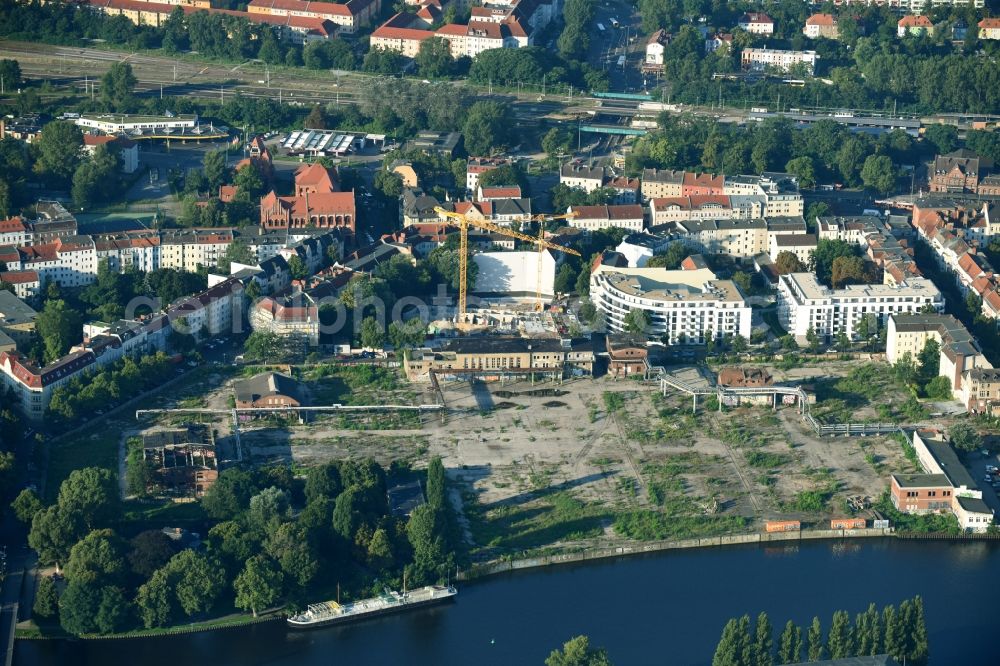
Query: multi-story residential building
582, 176
191, 249
497, 193
593, 218
486, 30
959, 351
626, 189
496, 357
506, 211
989, 28
655, 47
684, 209
291, 316
348, 17
821, 25
801, 245
737, 237
981, 390
914, 25
912, 6
684, 306
128, 150
756, 23
132, 249
945, 484
661, 183
477, 166
70, 261
804, 304
780, 60
702, 185
26, 284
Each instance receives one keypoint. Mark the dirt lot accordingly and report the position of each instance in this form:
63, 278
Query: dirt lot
545, 464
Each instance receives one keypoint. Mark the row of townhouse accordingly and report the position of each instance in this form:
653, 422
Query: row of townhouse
741, 238
805, 304
348, 16
910, 6
887, 245
321, 22
512, 26
686, 306
972, 378
216, 311
73, 261
417, 208
954, 230
51, 221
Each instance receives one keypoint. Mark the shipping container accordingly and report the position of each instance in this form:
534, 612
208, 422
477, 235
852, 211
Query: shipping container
848, 524
782, 526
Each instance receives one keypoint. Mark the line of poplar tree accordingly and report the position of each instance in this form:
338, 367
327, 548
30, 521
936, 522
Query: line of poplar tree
899, 632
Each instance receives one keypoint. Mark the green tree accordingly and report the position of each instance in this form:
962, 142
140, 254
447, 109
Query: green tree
148, 551
10, 74
487, 127
26, 505
565, 279
214, 165
817, 648
380, 555
59, 327
58, 151
297, 268
258, 585
965, 437
92, 494
879, 174
389, 183
556, 141
788, 262
407, 334
198, 582
917, 630
577, 652
812, 340
97, 558
290, 547
895, 636
229, 495
944, 138
436, 483
434, 58
46, 599
371, 334
323, 481
841, 641
730, 650
154, 600
803, 169
847, 270
53, 533
637, 321
118, 87
790, 648
763, 646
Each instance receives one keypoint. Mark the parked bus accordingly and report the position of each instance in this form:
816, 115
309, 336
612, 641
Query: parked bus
615, 23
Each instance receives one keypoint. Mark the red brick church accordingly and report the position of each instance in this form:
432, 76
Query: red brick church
317, 202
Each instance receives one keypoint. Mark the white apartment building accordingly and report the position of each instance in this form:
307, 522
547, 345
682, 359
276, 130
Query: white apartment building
686, 209
189, 249
118, 123
776, 193
804, 303
592, 218
737, 238
70, 261
684, 306
801, 245
756, 23
912, 6
582, 176
780, 60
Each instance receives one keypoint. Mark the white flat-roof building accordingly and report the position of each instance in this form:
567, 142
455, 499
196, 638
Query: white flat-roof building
514, 275
804, 303
684, 306
115, 123
778, 59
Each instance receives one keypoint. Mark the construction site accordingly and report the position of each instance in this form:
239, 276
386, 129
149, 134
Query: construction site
558, 461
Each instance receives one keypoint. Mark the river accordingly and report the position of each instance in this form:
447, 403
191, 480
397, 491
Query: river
666, 608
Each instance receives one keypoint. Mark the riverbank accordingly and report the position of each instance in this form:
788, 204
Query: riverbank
499, 567
31, 632
593, 554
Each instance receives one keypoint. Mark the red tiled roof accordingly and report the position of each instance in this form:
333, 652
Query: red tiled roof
990, 23
501, 192
19, 277
822, 19
96, 140
12, 224
912, 21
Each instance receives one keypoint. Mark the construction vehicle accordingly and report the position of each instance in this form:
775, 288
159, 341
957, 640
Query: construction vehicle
465, 222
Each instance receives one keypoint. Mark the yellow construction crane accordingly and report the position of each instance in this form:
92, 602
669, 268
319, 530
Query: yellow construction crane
464, 222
